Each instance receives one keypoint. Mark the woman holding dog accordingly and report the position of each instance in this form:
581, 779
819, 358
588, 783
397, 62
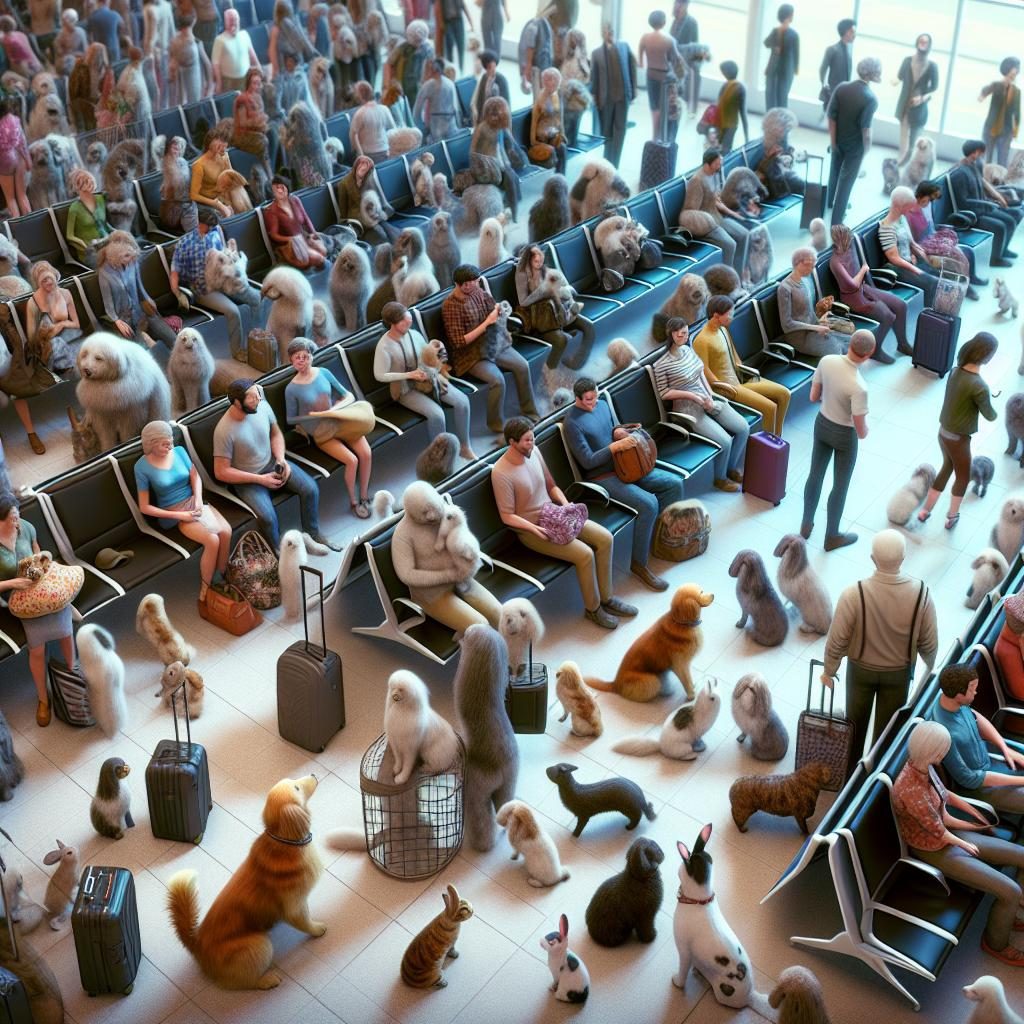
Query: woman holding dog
14, 159
547, 132
18, 541
309, 397
171, 490
252, 132
87, 218
54, 330
290, 229
206, 172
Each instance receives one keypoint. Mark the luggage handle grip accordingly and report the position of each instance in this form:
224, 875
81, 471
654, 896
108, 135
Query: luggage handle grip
303, 569
174, 711
831, 690
90, 884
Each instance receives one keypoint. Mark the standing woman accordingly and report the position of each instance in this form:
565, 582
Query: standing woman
575, 68
732, 105
18, 541
1003, 121
967, 394
14, 161
451, 32
188, 67
492, 24
783, 61
656, 51
920, 78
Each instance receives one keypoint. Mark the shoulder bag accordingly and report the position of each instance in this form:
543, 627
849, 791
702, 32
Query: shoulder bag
252, 568
634, 455
229, 610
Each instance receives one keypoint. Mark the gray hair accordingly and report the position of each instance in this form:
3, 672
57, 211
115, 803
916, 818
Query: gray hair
802, 253
862, 343
869, 69
929, 743
901, 196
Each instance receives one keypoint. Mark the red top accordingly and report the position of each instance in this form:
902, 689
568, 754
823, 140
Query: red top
281, 225
917, 801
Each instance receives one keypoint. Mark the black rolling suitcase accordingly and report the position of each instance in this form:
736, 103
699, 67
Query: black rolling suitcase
526, 699
815, 193
105, 924
658, 163
178, 785
935, 341
14, 1004
310, 690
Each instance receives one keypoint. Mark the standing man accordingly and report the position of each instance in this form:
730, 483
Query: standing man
784, 61
881, 625
685, 32
107, 27
536, 45
613, 86
850, 112
233, 55
207, 23
837, 64
838, 385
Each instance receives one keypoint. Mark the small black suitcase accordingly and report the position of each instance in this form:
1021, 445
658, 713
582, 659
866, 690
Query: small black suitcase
14, 1004
105, 924
310, 689
658, 162
178, 785
815, 193
526, 699
935, 341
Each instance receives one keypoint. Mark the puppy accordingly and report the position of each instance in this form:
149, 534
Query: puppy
795, 794
990, 569
799, 995
890, 175
1007, 533
630, 900
907, 500
577, 700
170, 683
802, 586
921, 162
758, 601
295, 549
529, 840
521, 627
982, 471
1007, 303
153, 623
231, 945
754, 717
103, 672
670, 644
621, 354
819, 236
992, 1007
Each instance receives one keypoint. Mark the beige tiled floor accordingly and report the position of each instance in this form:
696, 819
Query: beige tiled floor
351, 974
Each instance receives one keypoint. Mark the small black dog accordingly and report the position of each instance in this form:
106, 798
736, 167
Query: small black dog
588, 799
629, 900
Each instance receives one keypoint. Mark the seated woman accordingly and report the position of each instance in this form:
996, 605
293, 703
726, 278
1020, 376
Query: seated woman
206, 172
547, 132
26, 377
858, 291
942, 241
679, 378
87, 217
546, 318
307, 396
396, 363
715, 349
290, 229
126, 303
902, 253
802, 329
958, 845
54, 330
171, 490
488, 157
349, 193
251, 129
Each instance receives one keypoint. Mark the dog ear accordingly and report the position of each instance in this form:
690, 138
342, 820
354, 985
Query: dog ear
292, 821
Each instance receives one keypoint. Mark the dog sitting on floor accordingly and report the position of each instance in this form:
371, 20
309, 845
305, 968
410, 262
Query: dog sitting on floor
795, 794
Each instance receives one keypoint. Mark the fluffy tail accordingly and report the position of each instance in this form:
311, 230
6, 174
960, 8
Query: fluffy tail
346, 839
383, 504
314, 547
649, 812
183, 903
638, 746
600, 684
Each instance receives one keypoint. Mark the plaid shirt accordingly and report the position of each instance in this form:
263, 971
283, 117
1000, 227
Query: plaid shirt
917, 802
189, 258
461, 314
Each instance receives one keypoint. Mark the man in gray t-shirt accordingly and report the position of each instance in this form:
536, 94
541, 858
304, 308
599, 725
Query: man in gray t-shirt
248, 452
850, 113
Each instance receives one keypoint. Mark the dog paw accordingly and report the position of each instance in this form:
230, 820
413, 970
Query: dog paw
269, 980
318, 928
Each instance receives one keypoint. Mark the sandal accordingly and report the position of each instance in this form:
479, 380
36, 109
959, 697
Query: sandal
951, 521
204, 589
36, 445
923, 516
361, 508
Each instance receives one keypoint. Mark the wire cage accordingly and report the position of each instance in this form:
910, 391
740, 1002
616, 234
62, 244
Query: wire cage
412, 830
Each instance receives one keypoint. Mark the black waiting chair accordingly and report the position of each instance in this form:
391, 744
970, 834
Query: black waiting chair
38, 238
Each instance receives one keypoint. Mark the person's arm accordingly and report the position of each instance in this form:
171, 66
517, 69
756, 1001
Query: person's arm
147, 508
583, 453
272, 221
860, 424
226, 473
957, 801
990, 734
277, 446
866, 116
796, 51
254, 61
148, 305
788, 323
826, 65
382, 367
959, 772
218, 53
641, 52
72, 318
928, 634
887, 234
983, 400
338, 392
292, 414
109, 309
840, 632
196, 483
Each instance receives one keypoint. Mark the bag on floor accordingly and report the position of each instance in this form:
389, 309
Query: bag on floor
69, 695
252, 568
682, 531
262, 353
526, 699
229, 610
766, 466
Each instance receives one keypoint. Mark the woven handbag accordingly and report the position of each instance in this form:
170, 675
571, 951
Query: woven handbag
57, 588
682, 531
634, 455
562, 523
69, 695
252, 568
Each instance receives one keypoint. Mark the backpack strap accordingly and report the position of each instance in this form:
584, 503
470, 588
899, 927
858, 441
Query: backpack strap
863, 621
913, 624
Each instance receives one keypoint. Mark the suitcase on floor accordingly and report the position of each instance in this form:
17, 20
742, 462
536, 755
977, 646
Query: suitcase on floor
14, 1004
824, 736
815, 193
766, 465
310, 691
262, 352
935, 341
178, 784
526, 699
68, 694
105, 924
658, 162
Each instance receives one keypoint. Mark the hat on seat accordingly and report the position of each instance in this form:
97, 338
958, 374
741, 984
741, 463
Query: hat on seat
110, 558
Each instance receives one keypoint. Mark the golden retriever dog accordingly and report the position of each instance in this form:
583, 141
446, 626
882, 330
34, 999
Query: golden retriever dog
273, 884
669, 645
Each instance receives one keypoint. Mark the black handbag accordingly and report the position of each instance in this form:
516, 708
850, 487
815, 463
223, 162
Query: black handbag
526, 699
69, 695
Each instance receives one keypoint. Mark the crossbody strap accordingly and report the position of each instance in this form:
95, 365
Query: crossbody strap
913, 625
863, 621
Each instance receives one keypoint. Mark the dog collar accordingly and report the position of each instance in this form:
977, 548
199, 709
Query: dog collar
700, 903
691, 622
291, 842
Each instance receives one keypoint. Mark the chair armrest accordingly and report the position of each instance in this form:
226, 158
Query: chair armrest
986, 809
781, 348
464, 385
411, 605
515, 325
725, 390
585, 488
885, 276
682, 419
683, 234
748, 371
675, 428
927, 869
840, 308
962, 220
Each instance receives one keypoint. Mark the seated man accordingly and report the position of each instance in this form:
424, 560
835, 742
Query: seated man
809, 334
994, 214
476, 349
973, 771
730, 233
248, 452
522, 487
589, 431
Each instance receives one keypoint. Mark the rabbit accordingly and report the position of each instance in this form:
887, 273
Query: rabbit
630, 900
982, 471
176, 674
588, 799
526, 837
907, 500
570, 980
63, 884
802, 586
990, 569
758, 600
577, 700
424, 959
681, 732
752, 712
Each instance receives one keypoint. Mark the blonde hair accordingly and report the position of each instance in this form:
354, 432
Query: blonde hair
78, 177
40, 269
928, 744
117, 242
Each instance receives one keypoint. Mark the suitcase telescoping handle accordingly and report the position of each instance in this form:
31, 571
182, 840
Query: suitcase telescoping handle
820, 160
303, 569
3, 901
174, 711
831, 690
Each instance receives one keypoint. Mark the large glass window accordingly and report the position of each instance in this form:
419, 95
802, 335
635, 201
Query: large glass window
816, 26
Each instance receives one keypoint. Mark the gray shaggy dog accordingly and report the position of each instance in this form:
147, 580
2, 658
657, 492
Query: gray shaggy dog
226, 272
1014, 419
126, 162
742, 186
443, 248
756, 720
95, 157
776, 125
759, 256
190, 370
121, 389
550, 214
1008, 533
12, 771
478, 202
47, 116
291, 310
802, 586
758, 601
492, 754
437, 460
687, 301
982, 471
349, 288
46, 185
307, 157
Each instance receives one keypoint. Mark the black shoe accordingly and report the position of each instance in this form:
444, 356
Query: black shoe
979, 281
1000, 261
972, 293
1009, 254
840, 540
904, 349
881, 356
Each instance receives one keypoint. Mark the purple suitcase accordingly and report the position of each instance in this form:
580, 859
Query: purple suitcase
764, 473
935, 341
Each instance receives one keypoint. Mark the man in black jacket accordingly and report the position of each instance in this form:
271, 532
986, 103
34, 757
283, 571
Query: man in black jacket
613, 86
837, 64
993, 213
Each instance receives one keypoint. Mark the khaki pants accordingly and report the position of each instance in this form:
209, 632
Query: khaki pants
460, 611
771, 400
590, 554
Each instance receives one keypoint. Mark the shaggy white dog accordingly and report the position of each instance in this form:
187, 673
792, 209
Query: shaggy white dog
906, 501
1008, 533
349, 287
621, 354
412, 286
492, 244
521, 626
291, 311
190, 370
990, 569
121, 389
226, 271
296, 548
103, 672
800, 584
992, 1008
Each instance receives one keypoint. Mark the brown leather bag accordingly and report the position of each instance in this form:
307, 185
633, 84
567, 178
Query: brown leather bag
634, 455
229, 610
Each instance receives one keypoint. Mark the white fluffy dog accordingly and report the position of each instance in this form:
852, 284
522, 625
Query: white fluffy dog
454, 534
415, 731
922, 160
103, 671
992, 1007
907, 500
492, 249
296, 547
990, 569
801, 585
122, 388
532, 843
621, 354
153, 624
520, 626
1008, 533
412, 286
422, 178
190, 370
819, 236
291, 310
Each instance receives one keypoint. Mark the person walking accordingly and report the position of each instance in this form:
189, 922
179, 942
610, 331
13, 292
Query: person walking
850, 113
843, 419
784, 61
920, 78
837, 63
1003, 121
613, 87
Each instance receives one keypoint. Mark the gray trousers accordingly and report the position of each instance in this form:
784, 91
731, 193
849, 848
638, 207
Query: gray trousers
982, 873
238, 315
492, 23
422, 403
1006, 799
830, 439
490, 373
842, 176
886, 689
726, 427
731, 237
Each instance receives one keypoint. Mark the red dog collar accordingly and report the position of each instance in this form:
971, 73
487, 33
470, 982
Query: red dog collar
699, 903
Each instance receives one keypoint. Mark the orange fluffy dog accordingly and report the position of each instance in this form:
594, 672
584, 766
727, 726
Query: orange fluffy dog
669, 645
273, 884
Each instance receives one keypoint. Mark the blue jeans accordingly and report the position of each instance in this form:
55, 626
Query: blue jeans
830, 439
649, 495
261, 500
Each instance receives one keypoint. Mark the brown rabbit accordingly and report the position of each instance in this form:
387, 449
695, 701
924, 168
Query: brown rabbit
577, 700
424, 959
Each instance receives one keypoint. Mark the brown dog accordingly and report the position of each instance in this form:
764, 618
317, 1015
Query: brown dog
795, 794
669, 645
272, 884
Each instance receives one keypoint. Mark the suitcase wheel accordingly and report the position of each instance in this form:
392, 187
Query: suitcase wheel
198, 839
776, 503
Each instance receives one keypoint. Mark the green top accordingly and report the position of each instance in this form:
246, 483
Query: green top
23, 546
84, 226
966, 395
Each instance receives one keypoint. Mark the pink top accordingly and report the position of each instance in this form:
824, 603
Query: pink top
17, 49
12, 138
917, 801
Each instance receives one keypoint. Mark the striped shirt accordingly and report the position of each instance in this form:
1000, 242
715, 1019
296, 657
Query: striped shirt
895, 236
680, 372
